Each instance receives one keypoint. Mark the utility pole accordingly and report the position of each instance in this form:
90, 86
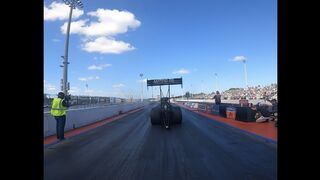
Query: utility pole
87, 89
245, 73
216, 75
141, 87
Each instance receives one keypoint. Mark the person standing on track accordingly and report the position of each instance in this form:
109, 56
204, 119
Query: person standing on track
217, 98
58, 111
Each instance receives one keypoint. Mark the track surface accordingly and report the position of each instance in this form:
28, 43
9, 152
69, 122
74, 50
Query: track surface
130, 148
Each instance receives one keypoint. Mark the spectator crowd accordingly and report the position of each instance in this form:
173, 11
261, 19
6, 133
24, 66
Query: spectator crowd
255, 92
250, 93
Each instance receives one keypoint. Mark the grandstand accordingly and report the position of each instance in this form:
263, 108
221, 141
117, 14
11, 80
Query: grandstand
251, 93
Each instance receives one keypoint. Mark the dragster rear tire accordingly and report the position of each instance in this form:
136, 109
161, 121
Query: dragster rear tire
155, 115
177, 115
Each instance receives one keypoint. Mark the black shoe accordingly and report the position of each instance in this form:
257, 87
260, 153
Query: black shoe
62, 139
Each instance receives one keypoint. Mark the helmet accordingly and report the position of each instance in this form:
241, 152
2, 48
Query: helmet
61, 95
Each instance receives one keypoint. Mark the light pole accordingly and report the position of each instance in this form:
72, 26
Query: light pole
202, 90
191, 91
72, 4
87, 89
246, 78
245, 72
141, 87
216, 75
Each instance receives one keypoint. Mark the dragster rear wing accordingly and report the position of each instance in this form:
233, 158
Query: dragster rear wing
160, 82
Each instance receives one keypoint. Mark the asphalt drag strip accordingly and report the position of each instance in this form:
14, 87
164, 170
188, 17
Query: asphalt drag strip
131, 148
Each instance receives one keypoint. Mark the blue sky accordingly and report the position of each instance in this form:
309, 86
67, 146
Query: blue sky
113, 41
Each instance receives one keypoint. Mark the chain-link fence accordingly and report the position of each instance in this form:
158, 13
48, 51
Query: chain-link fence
85, 101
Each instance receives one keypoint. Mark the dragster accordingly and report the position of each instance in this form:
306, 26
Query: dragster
165, 114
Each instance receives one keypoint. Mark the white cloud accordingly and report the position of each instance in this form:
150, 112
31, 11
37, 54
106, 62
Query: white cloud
99, 34
59, 11
239, 58
98, 67
89, 78
56, 40
182, 71
76, 27
106, 45
83, 79
89, 91
75, 90
49, 88
110, 23
118, 85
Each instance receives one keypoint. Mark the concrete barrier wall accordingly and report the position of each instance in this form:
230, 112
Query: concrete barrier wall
81, 117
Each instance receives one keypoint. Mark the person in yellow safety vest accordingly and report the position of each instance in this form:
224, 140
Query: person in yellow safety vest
58, 111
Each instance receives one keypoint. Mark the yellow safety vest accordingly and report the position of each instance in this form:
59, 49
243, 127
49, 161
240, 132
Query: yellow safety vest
57, 109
